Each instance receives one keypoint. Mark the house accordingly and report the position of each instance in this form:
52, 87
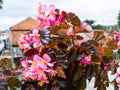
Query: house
15, 32
4, 37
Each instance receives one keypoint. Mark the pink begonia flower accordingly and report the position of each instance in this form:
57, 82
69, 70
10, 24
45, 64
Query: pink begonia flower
52, 72
38, 61
31, 57
106, 69
47, 16
35, 32
24, 63
118, 35
46, 60
27, 38
42, 9
118, 44
43, 79
36, 45
118, 80
46, 57
52, 12
59, 20
118, 71
86, 60
33, 75
33, 68
44, 23
70, 31
37, 68
26, 74
26, 41
26, 46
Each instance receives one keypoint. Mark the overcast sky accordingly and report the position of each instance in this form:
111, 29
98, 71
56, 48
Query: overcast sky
102, 11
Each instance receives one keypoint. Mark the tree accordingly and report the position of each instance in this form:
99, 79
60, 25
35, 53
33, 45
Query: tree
1, 1
90, 22
118, 19
98, 26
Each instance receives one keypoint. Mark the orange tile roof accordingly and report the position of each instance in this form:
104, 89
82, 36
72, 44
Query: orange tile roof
26, 24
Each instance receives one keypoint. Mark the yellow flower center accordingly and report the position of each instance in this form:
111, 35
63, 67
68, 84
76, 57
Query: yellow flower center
52, 12
44, 61
44, 20
32, 75
34, 63
40, 70
38, 9
42, 12
42, 82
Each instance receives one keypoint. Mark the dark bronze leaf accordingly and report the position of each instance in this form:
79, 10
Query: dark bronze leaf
62, 46
51, 53
98, 35
93, 42
111, 43
61, 56
79, 37
72, 55
88, 48
7, 72
45, 36
74, 19
30, 52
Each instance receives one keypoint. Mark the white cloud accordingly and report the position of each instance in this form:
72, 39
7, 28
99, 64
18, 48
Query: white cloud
102, 11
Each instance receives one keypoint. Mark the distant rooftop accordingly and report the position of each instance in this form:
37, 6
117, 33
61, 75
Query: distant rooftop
26, 24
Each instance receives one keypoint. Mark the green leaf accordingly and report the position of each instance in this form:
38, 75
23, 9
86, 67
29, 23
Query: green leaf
89, 72
108, 52
77, 74
101, 87
98, 35
13, 83
72, 55
81, 83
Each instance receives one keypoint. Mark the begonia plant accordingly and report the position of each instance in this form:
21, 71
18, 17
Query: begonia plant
58, 57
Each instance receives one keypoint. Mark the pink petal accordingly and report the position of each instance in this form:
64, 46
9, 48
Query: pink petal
24, 63
118, 80
47, 57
